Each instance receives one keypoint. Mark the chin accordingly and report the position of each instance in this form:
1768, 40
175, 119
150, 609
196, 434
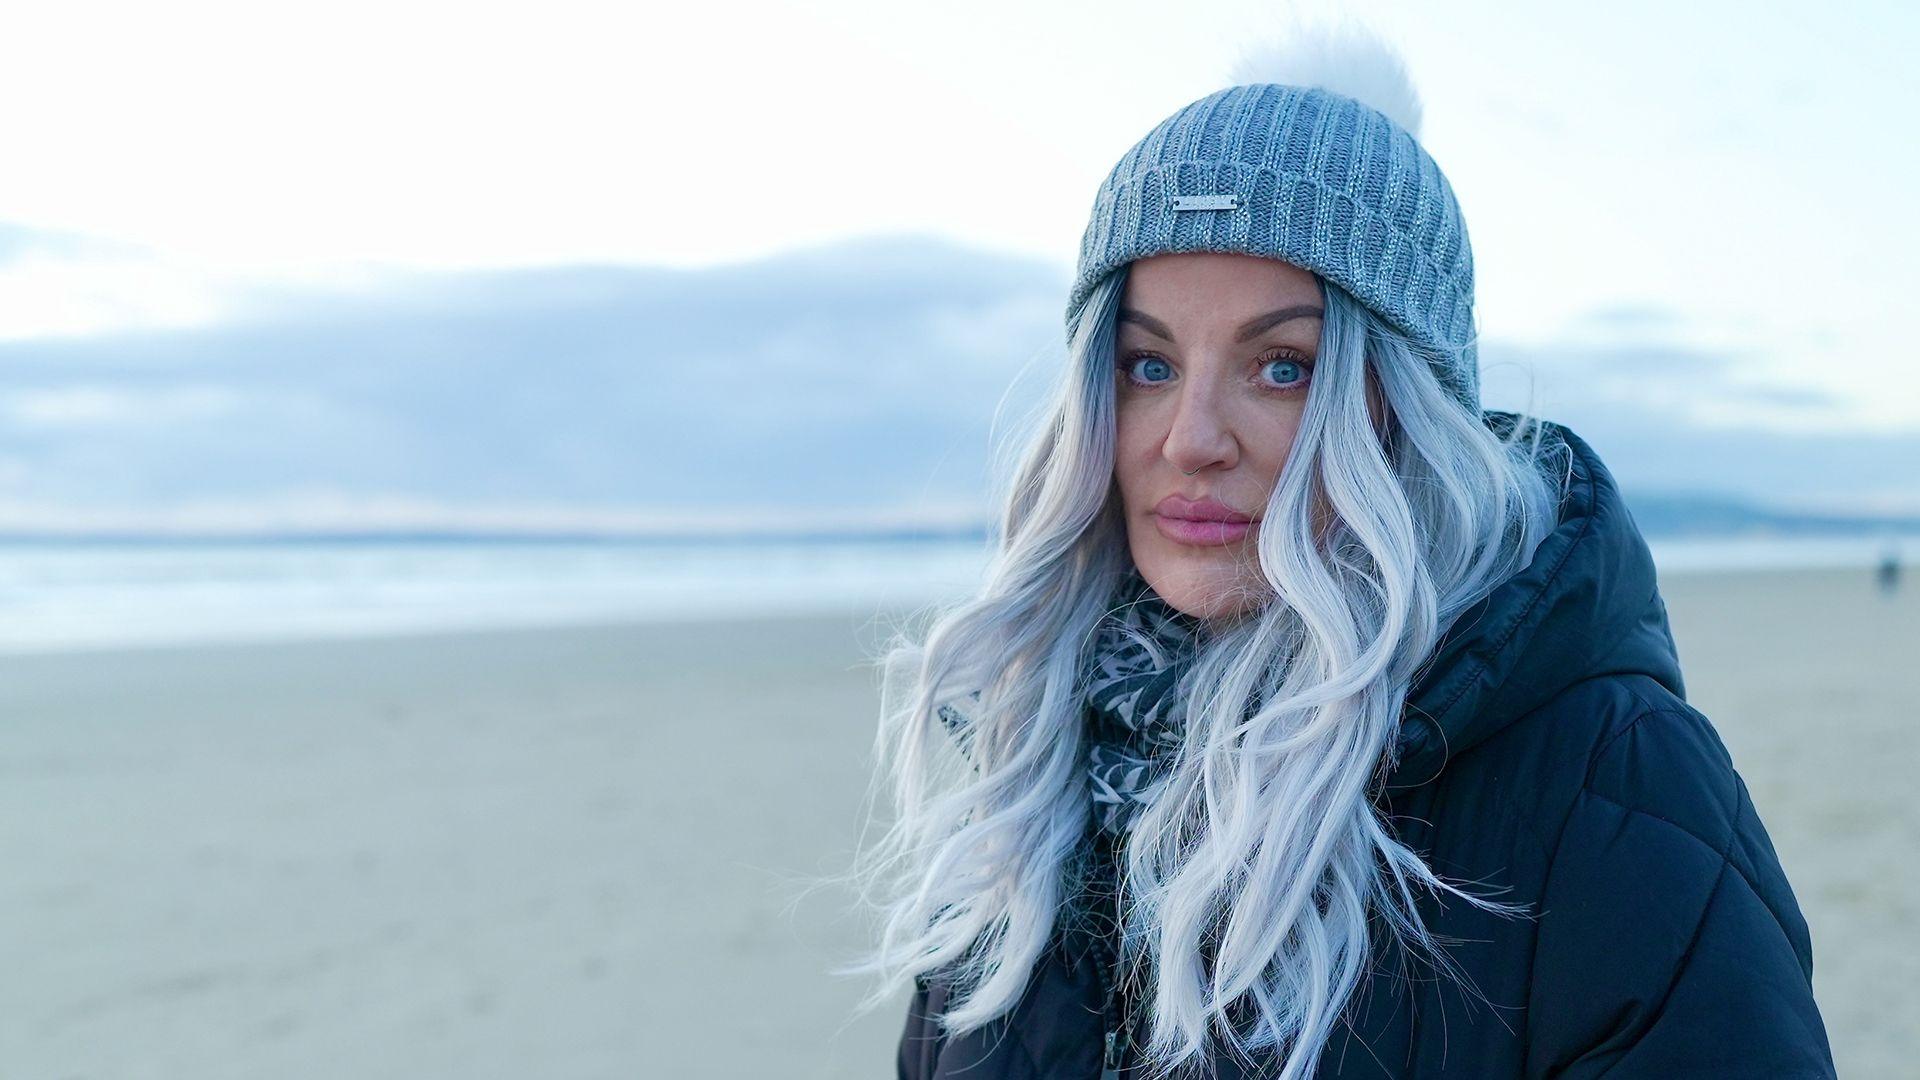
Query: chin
1206, 586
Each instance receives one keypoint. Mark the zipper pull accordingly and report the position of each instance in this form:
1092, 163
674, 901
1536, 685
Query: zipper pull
1111, 1066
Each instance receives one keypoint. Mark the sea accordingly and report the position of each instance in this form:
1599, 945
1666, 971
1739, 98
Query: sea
58, 596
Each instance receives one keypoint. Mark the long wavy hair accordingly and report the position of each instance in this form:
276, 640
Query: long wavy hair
1249, 881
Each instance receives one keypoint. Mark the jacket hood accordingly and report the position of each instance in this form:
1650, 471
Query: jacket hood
1586, 605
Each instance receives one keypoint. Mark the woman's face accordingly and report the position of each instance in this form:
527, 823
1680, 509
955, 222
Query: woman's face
1212, 362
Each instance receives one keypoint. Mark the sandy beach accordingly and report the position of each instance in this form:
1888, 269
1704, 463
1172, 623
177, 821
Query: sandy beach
581, 853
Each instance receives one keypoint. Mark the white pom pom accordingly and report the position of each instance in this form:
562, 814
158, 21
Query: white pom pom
1343, 57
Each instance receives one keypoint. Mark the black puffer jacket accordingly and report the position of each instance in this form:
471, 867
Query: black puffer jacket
1547, 749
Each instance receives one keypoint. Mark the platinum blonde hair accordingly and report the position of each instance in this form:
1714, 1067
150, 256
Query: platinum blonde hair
1249, 881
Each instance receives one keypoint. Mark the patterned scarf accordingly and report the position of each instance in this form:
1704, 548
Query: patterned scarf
1135, 719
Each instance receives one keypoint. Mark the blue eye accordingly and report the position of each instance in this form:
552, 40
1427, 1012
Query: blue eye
1292, 372
1140, 369
1148, 360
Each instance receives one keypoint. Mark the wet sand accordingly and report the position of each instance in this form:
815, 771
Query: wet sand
582, 852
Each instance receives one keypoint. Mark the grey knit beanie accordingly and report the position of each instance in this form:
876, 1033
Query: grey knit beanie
1297, 171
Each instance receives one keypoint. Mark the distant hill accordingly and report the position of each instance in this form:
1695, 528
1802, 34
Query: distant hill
1665, 515
1670, 514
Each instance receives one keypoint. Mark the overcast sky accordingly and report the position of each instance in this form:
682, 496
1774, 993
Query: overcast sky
1699, 216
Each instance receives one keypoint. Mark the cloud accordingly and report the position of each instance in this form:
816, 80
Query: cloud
871, 377
84, 405
1643, 319
65, 284
863, 375
20, 241
1639, 368
1671, 417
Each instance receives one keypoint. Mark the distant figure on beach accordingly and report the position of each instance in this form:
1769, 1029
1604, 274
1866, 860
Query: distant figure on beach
1888, 573
1313, 720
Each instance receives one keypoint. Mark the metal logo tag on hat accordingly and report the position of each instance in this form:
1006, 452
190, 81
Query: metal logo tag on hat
1206, 202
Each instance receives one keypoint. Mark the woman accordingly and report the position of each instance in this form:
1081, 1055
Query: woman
1313, 721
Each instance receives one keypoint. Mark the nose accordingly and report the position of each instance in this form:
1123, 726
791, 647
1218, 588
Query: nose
1200, 436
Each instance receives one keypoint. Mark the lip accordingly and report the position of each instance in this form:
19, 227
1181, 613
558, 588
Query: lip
1201, 522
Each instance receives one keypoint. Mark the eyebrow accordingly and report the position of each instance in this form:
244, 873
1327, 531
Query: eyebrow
1249, 330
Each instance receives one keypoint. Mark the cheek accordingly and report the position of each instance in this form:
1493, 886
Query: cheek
1129, 480
1273, 453
1133, 452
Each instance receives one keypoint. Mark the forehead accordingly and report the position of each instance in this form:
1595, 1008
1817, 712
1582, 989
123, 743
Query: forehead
1207, 281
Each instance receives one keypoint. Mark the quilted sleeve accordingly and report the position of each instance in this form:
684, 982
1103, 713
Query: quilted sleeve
1669, 940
